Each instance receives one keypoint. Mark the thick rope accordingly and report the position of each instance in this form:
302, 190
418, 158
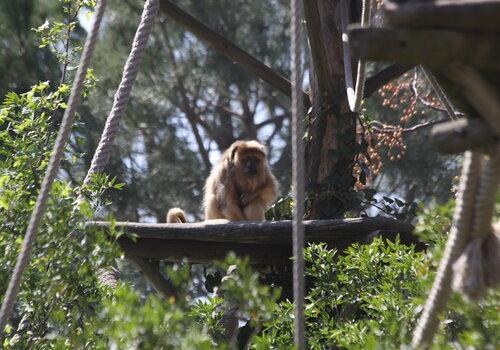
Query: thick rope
103, 151
354, 95
486, 195
51, 172
297, 172
477, 268
462, 223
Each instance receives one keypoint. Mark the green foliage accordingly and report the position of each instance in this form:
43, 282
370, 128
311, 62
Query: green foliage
132, 323
57, 34
369, 297
59, 289
282, 209
367, 290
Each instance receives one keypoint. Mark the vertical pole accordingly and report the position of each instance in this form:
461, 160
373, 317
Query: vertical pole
297, 172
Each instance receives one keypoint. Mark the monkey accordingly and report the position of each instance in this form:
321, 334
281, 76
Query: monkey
241, 186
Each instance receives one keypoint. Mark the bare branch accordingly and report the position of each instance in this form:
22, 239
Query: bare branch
274, 120
186, 106
227, 48
385, 128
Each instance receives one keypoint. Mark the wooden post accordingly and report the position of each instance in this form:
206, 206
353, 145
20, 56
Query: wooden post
330, 129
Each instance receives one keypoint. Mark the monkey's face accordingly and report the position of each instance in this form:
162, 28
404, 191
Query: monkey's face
249, 159
251, 164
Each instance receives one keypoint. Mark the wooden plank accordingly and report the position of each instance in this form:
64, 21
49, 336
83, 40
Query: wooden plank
204, 252
266, 232
482, 94
258, 253
471, 15
460, 135
227, 48
435, 48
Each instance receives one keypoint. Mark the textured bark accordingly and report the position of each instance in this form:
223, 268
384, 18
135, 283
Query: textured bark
267, 243
265, 232
331, 129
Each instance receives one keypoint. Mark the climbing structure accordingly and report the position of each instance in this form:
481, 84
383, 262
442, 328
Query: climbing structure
457, 42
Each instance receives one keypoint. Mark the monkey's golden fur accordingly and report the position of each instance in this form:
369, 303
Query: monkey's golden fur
240, 187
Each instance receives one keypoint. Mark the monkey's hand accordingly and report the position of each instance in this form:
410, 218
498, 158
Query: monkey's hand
247, 197
233, 212
255, 211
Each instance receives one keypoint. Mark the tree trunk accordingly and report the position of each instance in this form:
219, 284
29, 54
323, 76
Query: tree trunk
330, 148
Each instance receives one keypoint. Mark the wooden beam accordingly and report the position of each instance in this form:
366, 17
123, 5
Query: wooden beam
482, 94
151, 272
227, 48
435, 48
258, 253
268, 242
205, 252
471, 15
319, 59
265, 232
463, 134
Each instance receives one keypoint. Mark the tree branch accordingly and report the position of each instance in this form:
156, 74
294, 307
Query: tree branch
274, 120
318, 52
186, 106
227, 48
383, 128
151, 272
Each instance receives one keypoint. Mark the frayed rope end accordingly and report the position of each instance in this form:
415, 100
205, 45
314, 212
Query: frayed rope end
478, 267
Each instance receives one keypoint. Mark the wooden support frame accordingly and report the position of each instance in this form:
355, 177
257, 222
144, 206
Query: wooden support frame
264, 72
266, 243
434, 48
460, 135
316, 46
472, 15
228, 49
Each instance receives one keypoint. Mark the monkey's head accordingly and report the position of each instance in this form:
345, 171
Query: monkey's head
249, 162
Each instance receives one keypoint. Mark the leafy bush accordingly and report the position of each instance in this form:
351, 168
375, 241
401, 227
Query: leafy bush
368, 297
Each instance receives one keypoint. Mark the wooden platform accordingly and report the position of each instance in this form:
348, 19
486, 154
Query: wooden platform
263, 242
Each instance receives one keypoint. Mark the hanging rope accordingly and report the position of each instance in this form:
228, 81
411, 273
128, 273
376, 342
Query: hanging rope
103, 151
477, 268
354, 95
472, 254
297, 172
51, 172
462, 220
